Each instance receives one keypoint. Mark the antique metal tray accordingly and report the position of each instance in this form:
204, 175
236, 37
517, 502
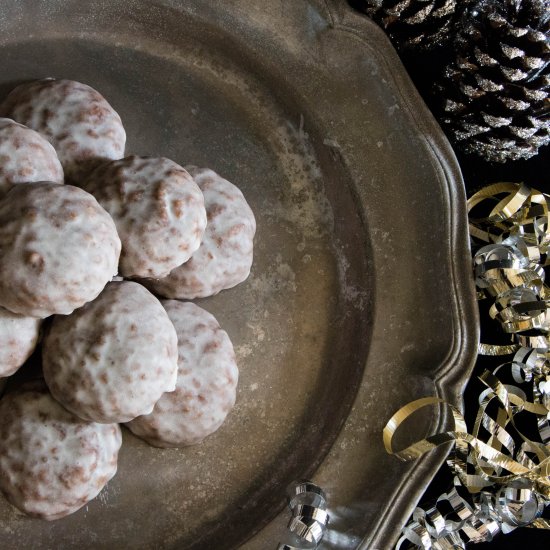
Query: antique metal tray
360, 298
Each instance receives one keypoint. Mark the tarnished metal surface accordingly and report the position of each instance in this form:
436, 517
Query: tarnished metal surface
360, 297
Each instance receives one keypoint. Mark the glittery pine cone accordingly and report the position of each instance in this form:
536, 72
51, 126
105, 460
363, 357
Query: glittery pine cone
412, 24
495, 92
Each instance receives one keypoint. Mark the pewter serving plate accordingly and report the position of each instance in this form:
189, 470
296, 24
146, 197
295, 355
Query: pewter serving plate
360, 297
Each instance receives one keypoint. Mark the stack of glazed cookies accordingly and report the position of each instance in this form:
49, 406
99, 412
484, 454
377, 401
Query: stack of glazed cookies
106, 247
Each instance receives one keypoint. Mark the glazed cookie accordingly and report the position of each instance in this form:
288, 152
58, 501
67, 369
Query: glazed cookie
25, 157
158, 210
18, 338
58, 249
76, 119
206, 386
52, 463
112, 359
225, 256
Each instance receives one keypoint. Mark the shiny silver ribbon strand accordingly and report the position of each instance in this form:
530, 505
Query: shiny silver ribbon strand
309, 517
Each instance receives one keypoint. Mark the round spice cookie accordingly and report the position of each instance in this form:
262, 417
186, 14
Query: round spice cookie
18, 339
112, 359
25, 156
224, 258
76, 119
52, 463
206, 386
158, 210
58, 249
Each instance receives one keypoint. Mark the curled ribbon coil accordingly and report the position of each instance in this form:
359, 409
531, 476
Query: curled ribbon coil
308, 506
501, 475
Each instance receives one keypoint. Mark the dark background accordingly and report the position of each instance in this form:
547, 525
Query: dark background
423, 68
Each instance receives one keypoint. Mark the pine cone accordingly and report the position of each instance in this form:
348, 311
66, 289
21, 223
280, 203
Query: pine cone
496, 91
412, 24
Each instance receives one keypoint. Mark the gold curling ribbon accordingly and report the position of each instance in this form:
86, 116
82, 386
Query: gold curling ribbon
522, 212
509, 270
480, 520
458, 434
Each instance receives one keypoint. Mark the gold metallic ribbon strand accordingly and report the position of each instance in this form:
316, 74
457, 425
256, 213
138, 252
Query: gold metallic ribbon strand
502, 478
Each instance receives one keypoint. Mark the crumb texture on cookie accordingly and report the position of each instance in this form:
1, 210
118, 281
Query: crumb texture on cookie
58, 249
52, 463
158, 210
112, 359
225, 256
25, 157
206, 385
76, 119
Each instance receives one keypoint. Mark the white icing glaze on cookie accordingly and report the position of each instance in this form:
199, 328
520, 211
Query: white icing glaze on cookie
76, 119
25, 156
18, 339
112, 359
52, 463
58, 249
158, 210
206, 385
224, 258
